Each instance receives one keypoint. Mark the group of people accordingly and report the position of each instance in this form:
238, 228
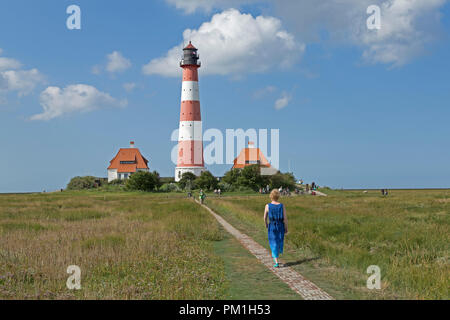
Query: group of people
283, 191
384, 192
264, 190
218, 192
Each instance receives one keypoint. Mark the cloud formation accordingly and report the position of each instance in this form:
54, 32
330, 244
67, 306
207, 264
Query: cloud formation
283, 101
117, 62
57, 102
14, 79
408, 26
233, 43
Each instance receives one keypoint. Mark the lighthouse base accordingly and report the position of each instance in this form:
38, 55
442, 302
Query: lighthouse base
179, 171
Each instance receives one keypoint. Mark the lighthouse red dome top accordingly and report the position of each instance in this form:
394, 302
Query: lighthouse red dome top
190, 46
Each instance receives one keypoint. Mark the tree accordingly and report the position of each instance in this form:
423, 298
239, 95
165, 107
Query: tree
250, 177
231, 176
284, 180
187, 180
207, 181
143, 181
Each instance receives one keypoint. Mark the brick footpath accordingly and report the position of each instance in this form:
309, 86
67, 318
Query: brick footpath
298, 283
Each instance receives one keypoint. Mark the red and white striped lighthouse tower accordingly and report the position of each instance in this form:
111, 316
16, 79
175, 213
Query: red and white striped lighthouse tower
190, 139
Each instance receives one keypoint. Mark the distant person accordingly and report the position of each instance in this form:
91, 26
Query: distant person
307, 187
277, 227
202, 196
386, 192
219, 192
382, 192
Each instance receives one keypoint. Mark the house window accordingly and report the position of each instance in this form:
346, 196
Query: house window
127, 162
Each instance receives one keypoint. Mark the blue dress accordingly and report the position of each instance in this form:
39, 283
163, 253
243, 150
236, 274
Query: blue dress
276, 229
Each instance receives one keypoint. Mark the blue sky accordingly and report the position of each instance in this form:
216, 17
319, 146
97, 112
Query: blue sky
363, 110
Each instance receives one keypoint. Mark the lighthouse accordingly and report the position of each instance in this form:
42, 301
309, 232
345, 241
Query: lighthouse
190, 138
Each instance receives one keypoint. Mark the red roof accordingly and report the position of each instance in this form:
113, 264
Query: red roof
134, 160
190, 46
249, 156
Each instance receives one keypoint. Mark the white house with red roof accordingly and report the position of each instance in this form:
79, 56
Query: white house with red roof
252, 155
126, 162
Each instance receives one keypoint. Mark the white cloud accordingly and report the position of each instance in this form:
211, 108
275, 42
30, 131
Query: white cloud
283, 101
406, 30
234, 43
117, 62
9, 64
57, 102
129, 86
21, 81
408, 26
13, 79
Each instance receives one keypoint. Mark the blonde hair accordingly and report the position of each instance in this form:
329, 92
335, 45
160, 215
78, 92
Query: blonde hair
275, 195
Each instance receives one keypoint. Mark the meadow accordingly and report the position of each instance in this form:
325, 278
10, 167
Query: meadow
132, 245
127, 245
332, 240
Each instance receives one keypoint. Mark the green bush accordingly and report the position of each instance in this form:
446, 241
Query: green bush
82, 183
250, 177
143, 181
223, 186
207, 181
117, 182
187, 181
231, 176
170, 187
284, 180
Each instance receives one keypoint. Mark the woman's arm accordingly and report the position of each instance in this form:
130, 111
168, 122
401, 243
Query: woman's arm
266, 210
285, 220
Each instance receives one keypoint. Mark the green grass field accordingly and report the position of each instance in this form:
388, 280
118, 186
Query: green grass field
128, 246
163, 246
332, 240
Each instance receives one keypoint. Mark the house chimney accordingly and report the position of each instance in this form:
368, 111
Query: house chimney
132, 144
251, 144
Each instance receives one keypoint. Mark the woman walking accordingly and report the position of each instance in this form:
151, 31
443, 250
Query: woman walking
277, 225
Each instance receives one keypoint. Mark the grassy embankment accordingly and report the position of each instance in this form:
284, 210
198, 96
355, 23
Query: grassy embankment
332, 240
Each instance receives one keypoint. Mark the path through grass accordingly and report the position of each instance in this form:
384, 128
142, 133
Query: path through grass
334, 239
